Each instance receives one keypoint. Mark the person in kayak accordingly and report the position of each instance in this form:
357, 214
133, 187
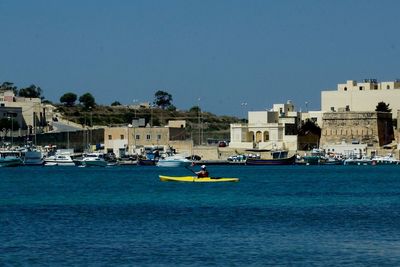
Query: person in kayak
203, 172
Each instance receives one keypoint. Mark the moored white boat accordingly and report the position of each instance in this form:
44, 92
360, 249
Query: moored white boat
362, 161
10, 161
173, 161
94, 160
388, 159
63, 159
33, 157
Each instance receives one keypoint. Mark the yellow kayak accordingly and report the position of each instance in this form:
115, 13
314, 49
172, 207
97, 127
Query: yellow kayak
194, 179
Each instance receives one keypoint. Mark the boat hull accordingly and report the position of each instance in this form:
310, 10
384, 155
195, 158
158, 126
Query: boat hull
281, 161
10, 162
173, 163
58, 163
193, 179
94, 163
147, 162
33, 158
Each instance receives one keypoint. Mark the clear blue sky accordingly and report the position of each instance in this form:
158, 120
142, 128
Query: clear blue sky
223, 52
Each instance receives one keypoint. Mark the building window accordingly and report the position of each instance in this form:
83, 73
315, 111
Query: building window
361, 88
110, 137
137, 137
148, 137
345, 88
159, 137
388, 87
122, 136
332, 108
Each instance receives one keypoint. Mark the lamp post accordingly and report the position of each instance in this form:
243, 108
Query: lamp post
199, 121
91, 127
12, 129
134, 106
244, 105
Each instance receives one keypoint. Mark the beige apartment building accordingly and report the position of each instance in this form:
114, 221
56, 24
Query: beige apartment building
362, 96
129, 140
32, 116
274, 129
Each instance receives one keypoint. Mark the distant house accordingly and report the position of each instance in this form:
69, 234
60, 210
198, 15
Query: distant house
274, 129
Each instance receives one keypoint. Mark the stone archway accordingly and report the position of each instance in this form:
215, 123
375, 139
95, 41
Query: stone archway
258, 136
250, 136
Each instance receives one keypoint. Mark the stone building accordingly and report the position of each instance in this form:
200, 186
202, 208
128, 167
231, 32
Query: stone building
372, 128
274, 129
129, 139
33, 116
362, 96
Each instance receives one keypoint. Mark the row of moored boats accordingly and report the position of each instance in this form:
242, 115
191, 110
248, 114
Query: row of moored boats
37, 158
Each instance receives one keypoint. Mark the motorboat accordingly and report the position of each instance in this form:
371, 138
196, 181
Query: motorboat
10, 158
173, 161
62, 159
33, 157
364, 160
315, 157
388, 159
10, 161
93, 160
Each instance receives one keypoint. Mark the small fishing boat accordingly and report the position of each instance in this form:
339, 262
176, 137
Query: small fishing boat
278, 158
315, 157
364, 160
194, 179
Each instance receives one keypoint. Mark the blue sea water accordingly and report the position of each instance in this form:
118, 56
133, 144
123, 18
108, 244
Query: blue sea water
275, 215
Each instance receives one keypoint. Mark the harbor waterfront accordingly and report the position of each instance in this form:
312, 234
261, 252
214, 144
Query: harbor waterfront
294, 215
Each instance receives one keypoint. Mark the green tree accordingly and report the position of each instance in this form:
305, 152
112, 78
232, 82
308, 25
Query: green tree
68, 99
32, 91
115, 103
171, 108
309, 127
195, 109
87, 100
9, 86
383, 107
162, 99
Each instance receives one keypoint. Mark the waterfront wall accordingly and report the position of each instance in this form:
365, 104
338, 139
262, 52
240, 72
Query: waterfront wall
372, 128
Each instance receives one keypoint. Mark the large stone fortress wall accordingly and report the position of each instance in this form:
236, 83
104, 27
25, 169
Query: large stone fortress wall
372, 128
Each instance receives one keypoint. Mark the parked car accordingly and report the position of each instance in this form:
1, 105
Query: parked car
194, 157
222, 144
